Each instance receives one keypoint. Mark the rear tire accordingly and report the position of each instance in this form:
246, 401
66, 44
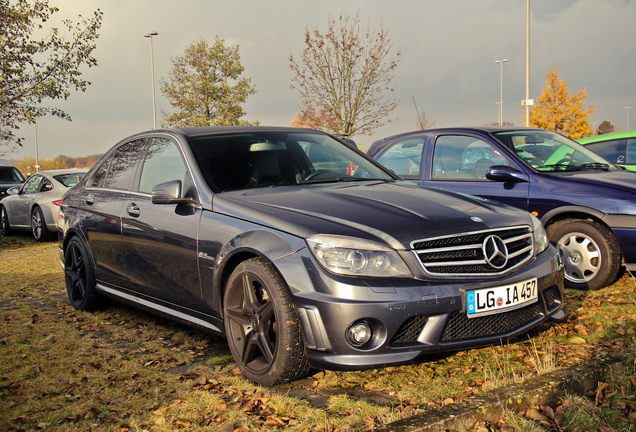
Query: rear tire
591, 253
38, 226
80, 277
262, 326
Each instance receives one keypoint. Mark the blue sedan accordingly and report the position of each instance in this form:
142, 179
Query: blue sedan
587, 204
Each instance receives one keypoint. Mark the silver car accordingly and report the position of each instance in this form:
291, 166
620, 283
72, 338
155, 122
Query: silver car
35, 205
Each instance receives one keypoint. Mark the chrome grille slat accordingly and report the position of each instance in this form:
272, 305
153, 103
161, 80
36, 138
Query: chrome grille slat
463, 254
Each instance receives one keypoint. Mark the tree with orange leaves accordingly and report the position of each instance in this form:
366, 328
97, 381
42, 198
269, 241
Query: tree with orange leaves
558, 111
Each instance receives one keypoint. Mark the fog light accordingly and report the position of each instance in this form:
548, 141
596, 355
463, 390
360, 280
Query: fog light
359, 333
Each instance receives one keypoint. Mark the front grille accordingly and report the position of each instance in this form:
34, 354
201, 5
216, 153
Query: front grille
463, 254
410, 330
460, 327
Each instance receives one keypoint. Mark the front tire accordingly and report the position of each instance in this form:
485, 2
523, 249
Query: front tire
80, 277
262, 326
4, 222
38, 226
590, 251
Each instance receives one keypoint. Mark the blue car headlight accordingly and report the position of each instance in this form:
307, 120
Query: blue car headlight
357, 257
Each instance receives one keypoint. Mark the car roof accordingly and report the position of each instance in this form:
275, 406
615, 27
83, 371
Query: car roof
378, 146
53, 172
213, 130
607, 137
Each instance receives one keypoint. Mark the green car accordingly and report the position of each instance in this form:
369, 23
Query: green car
616, 147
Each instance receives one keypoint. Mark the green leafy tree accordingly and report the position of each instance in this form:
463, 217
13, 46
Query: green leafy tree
205, 86
39, 62
558, 111
346, 72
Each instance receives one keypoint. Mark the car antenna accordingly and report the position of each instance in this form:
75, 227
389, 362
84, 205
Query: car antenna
418, 114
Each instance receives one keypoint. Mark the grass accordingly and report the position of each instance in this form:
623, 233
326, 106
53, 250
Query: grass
124, 370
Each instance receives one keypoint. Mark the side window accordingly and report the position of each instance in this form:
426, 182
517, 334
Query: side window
404, 158
100, 174
163, 163
631, 151
464, 158
32, 184
121, 172
613, 151
46, 185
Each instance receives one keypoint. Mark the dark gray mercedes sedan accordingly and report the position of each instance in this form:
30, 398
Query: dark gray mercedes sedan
301, 251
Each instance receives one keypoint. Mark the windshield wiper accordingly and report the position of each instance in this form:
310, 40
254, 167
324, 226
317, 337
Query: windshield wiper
338, 179
595, 165
565, 167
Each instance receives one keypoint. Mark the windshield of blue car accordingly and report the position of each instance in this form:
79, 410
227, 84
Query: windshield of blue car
271, 159
549, 151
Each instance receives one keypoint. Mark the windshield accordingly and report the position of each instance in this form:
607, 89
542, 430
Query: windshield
267, 159
548, 151
10, 175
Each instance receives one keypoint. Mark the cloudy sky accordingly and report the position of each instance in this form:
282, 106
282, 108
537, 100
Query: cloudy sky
448, 51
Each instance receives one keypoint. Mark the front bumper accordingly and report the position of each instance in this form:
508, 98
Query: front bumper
413, 317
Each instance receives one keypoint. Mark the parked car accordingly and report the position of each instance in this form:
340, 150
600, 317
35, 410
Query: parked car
235, 230
617, 147
587, 205
10, 177
34, 206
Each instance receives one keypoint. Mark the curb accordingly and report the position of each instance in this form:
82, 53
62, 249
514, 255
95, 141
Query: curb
536, 391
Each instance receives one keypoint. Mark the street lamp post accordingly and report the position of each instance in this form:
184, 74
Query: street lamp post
152, 71
37, 159
501, 62
627, 109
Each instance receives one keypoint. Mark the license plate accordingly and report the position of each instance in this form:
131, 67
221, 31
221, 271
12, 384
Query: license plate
489, 301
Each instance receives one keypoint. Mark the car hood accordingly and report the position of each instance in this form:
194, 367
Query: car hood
625, 180
395, 213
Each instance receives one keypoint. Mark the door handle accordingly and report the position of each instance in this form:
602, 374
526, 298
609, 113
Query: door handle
90, 199
133, 210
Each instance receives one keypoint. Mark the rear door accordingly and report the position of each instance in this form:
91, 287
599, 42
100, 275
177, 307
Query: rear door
102, 202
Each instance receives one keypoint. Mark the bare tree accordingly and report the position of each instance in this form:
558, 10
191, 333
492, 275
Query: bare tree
347, 72
425, 121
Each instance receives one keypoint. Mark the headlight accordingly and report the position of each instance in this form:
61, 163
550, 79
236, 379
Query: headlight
357, 257
540, 237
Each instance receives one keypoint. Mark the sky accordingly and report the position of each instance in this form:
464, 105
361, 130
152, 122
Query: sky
447, 63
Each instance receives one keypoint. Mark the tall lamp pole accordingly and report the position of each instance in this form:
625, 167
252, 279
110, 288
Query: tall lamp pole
37, 159
152, 71
627, 109
527, 99
501, 62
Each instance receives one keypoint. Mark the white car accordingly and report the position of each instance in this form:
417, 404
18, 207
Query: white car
35, 205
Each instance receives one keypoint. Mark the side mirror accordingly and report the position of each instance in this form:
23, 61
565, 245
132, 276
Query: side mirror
13, 191
169, 193
503, 173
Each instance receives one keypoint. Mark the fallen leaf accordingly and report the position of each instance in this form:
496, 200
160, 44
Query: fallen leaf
576, 340
160, 411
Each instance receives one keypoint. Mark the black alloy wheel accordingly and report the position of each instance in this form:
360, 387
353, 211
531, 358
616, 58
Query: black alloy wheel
80, 277
262, 326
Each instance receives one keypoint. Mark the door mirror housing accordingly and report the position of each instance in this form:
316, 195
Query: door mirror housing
503, 173
169, 193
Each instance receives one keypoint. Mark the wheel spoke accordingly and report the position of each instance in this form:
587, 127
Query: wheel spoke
74, 270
